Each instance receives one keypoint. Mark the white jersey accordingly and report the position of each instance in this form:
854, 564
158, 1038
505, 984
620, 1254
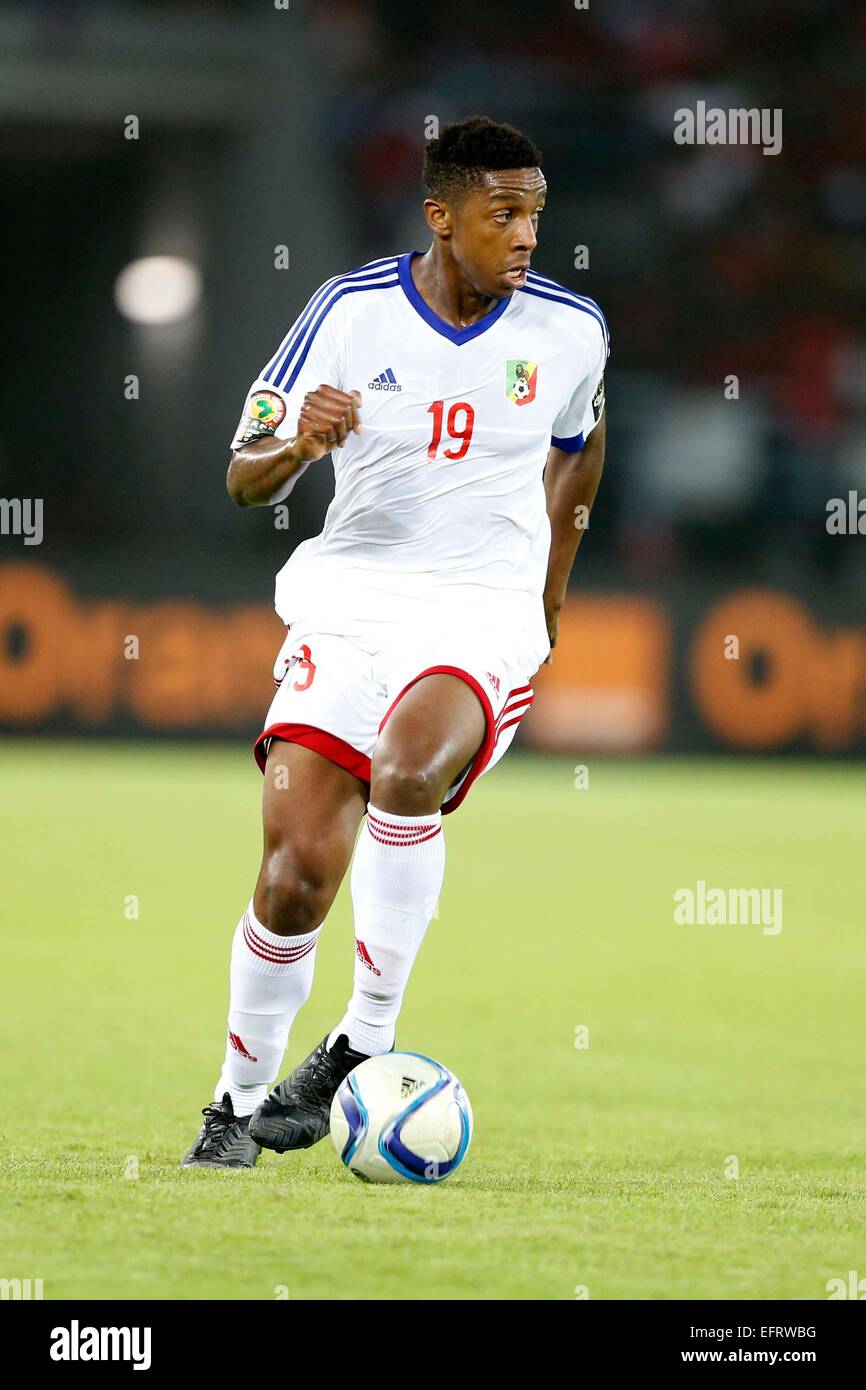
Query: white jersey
440, 498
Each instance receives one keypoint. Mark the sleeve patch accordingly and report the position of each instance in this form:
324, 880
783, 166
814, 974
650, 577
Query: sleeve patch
598, 401
265, 410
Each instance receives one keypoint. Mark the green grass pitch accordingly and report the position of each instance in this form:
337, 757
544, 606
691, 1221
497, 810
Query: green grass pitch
606, 1168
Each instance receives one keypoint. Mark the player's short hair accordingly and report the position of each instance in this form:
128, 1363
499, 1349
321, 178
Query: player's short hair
465, 150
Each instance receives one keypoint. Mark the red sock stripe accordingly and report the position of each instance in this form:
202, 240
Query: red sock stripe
400, 843
400, 832
278, 955
267, 955
272, 945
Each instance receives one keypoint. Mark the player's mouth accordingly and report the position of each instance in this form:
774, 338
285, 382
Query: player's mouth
516, 276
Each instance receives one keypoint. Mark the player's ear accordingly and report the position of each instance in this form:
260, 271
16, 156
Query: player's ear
438, 217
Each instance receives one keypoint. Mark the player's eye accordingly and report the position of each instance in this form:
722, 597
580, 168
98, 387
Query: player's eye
503, 217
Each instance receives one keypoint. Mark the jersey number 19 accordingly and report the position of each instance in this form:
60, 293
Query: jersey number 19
453, 429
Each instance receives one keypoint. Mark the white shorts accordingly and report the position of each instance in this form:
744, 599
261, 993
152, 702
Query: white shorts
336, 693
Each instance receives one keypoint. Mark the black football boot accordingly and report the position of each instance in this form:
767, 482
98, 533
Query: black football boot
223, 1140
297, 1113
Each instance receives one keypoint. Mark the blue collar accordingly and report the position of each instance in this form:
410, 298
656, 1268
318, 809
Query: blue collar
457, 336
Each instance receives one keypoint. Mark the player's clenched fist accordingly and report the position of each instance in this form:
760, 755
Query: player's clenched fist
326, 419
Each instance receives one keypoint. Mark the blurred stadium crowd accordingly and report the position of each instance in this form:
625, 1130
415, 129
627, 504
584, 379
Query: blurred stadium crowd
708, 262
711, 263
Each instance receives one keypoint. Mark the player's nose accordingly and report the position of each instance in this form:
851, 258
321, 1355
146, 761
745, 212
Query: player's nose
525, 238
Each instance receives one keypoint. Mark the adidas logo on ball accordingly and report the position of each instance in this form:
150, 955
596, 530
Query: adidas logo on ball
401, 1118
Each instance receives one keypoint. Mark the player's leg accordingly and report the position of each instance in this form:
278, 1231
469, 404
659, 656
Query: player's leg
310, 812
310, 809
433, 732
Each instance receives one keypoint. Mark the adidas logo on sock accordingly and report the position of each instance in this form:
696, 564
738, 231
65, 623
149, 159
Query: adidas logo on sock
385, 381
365, 958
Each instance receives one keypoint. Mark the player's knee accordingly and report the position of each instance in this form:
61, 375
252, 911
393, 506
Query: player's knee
295, 888
407, 786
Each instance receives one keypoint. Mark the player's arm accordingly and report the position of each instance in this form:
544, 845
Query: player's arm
570, 483
260, 469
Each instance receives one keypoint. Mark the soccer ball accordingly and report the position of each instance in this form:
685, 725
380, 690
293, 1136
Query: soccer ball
401, 1118
521, 388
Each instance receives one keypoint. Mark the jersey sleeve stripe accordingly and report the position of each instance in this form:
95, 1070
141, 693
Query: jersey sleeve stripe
375, 272
275, 370
312, 303
369, 269
309, 325
544, 281
541, 288
296, 361
572, 304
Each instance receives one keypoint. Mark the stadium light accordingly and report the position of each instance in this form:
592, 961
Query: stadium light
158, 289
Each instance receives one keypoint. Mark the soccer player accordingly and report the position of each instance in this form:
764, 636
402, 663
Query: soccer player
461, 396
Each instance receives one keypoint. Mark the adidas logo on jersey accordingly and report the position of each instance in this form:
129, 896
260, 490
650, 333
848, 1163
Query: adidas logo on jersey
385, 381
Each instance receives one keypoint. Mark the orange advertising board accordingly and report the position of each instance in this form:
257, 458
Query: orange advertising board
758, 671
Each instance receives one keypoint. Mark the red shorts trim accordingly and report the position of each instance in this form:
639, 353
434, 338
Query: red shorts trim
336, 750
485, 752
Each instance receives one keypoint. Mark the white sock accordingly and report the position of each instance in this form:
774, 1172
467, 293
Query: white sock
271, 977
397, 875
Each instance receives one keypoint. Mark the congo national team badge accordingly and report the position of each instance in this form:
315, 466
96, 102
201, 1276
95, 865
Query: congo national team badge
521, 378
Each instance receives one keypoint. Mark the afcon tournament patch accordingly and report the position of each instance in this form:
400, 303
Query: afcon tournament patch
264, 411
521, 378
267, 408
598, 401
